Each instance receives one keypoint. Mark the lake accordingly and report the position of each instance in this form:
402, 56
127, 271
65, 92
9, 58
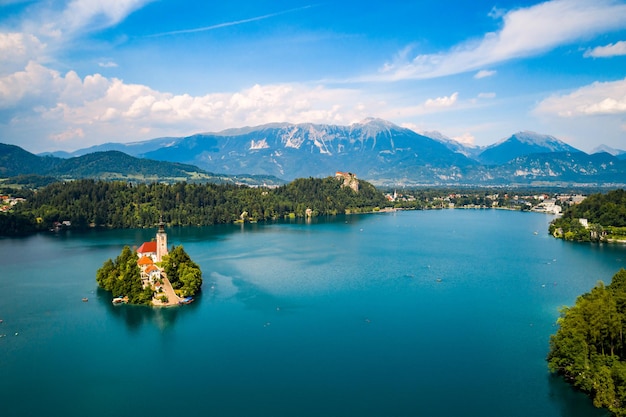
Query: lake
412, 313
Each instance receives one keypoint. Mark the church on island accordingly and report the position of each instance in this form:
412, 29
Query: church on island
152, 275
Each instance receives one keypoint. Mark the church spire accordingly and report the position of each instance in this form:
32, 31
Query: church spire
161, 238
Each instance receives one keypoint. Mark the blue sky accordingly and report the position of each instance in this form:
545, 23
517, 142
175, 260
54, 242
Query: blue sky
83, 72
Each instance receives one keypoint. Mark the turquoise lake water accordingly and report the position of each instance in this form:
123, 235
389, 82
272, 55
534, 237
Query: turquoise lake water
420, 313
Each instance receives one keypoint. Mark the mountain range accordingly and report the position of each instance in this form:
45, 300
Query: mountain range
376, 150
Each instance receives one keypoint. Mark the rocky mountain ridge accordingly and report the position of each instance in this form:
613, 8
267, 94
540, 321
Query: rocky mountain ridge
380, 152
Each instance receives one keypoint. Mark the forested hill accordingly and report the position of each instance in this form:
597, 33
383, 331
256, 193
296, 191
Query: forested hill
606, 209
16, 161
589, 348
89, 203
605, 215
112, 165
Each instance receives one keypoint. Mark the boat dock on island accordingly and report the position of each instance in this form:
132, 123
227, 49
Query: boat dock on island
186, 300
120, 300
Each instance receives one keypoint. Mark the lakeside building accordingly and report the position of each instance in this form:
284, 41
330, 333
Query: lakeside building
548, 206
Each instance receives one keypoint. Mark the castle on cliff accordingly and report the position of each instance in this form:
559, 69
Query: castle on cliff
348, 179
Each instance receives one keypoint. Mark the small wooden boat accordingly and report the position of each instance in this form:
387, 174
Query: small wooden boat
186, 300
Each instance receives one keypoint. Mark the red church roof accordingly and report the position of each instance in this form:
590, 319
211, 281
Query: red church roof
147, 247
145, 260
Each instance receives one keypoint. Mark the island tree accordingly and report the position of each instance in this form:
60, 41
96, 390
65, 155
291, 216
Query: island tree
122, 278
183, 273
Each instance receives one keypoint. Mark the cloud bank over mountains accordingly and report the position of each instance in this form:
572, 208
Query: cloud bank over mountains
47, 103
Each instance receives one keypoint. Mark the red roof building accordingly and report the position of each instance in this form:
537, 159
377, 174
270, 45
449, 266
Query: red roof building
151, 268
145, 260
148, 249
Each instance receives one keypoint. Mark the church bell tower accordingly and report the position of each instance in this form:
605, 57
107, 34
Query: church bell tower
161, 241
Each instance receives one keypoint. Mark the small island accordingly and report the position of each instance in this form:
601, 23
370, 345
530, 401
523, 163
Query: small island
151, 275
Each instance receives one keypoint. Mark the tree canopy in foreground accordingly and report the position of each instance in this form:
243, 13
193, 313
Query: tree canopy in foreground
588, 349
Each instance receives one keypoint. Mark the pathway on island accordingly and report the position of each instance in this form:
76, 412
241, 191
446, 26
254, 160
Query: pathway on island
172, 298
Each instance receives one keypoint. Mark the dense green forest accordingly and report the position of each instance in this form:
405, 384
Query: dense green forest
605, 214
589, 349
89, 203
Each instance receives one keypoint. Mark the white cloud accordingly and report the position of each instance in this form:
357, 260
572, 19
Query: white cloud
412, 126
484, 74
496, 13
525, 32
68, 134
599, 98
94, 14
465, 138
48, 26
34, 81
97, 107
17, 49
446, 101
402, 111
610, 50
77, 112
486, 95
107, 64
46, 29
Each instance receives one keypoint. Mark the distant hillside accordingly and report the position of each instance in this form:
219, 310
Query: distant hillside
112, 165
16, 161
562, 167
621, 154
118, 165
131, 148
521, 144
